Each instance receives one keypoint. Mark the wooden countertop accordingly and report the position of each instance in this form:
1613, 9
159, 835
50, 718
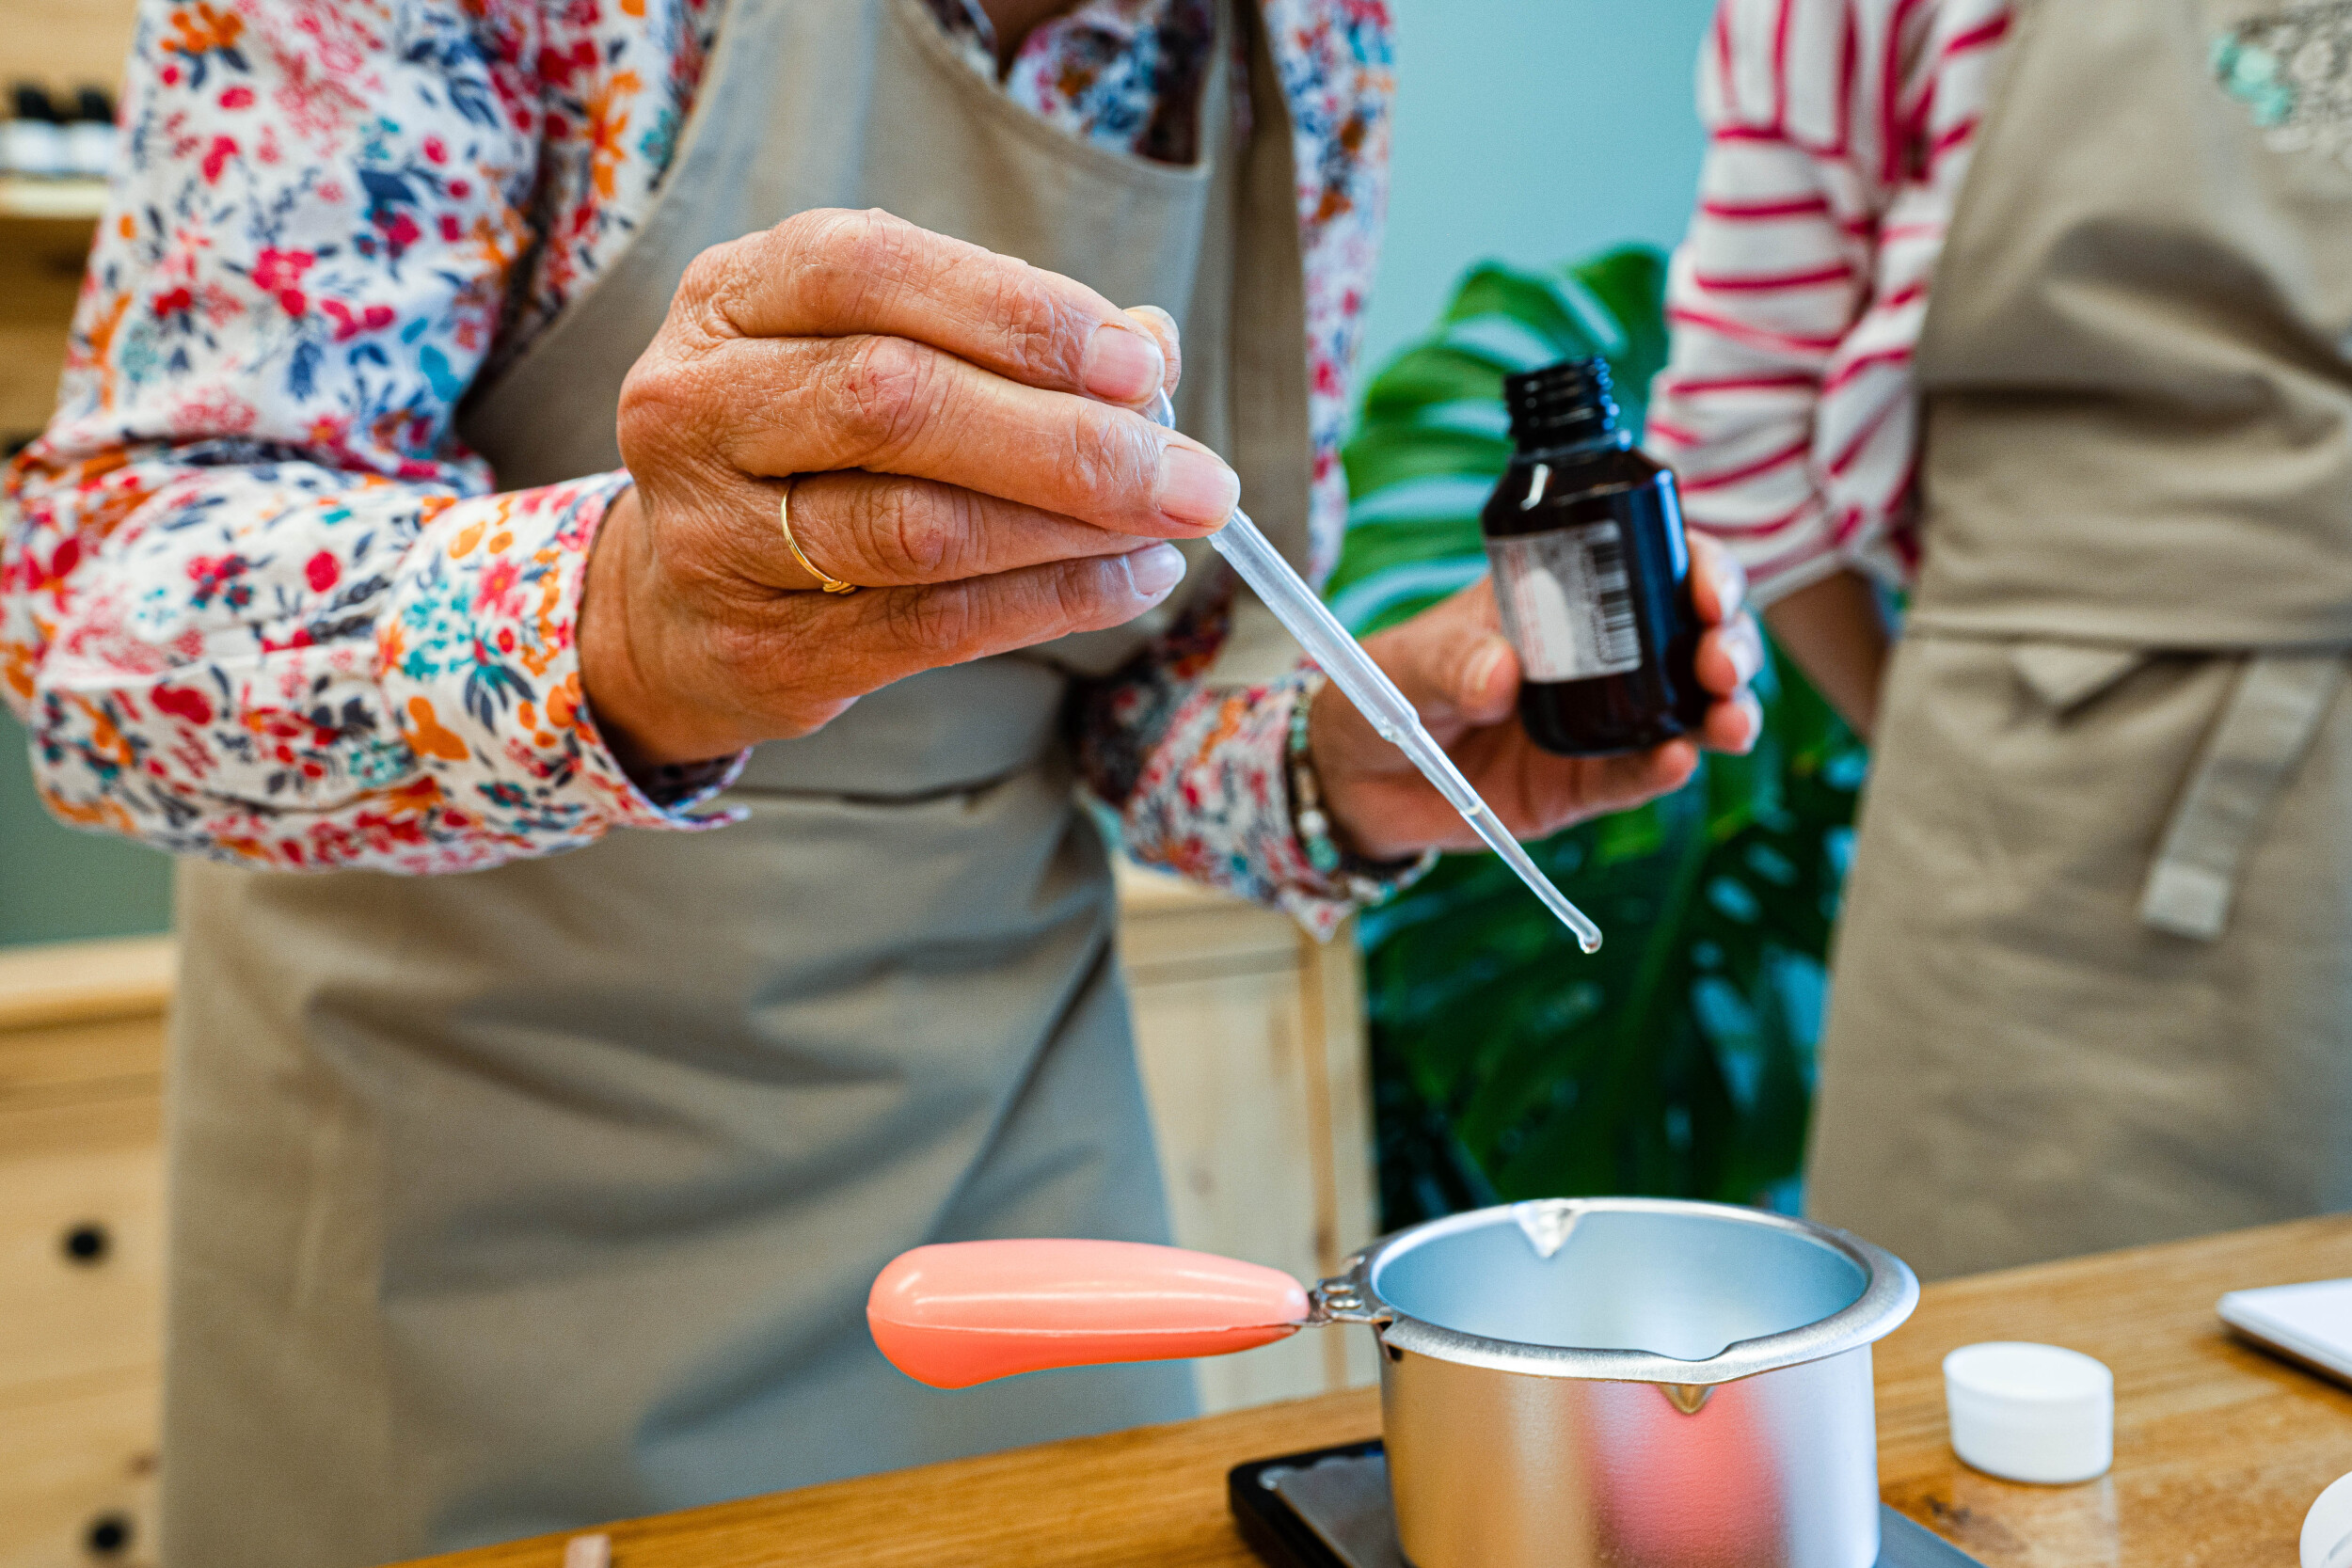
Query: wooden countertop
2219, 1452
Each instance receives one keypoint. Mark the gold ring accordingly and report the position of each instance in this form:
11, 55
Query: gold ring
784, 517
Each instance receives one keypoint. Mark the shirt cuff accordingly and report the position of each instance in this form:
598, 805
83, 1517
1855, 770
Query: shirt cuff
479, 657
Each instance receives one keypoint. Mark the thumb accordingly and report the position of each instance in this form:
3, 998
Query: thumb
1453, 662
1161, 326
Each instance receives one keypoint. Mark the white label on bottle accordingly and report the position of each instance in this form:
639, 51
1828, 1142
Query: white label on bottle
1568, 603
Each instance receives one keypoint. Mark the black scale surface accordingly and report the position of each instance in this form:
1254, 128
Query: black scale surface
1329, 1508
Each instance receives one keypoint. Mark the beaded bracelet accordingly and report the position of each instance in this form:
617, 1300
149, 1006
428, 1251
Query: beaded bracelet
1366, 881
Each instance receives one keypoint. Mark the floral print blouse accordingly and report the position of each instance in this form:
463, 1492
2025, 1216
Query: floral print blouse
257, 602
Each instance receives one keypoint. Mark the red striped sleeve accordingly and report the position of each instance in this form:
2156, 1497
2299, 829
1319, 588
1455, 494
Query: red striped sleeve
1669, 383
1794, 452
1766, 210
1774, 282
1839, 132
1753, 333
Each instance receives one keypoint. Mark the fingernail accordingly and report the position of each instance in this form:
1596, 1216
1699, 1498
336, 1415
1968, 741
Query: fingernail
1731, 586
1157, 570
1483, 670
1121, 364
1196, 486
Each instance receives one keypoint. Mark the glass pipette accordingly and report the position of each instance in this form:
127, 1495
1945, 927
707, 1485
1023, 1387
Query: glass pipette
1365, 684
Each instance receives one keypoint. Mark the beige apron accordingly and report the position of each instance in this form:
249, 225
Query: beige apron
2093, 986
515, 1201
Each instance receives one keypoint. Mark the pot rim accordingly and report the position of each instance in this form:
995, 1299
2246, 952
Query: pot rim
1889, 1294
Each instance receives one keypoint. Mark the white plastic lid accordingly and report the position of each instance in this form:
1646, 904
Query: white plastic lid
2031, 1413
2327, 1528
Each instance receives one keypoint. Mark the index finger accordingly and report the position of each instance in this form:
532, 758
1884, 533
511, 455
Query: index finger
831, 273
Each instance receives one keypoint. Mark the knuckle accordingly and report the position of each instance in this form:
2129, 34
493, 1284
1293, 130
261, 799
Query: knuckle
1113, 460
882, 393
805, 230
708, 275
904, 533
708, 292
940, 620
1039, 330
838, 259
1075, 599
873, 241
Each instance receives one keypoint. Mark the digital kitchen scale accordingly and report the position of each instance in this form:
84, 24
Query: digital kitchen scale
1329, 1508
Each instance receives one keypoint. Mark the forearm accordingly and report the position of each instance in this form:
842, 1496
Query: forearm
256, 602
1836, 633
285, 665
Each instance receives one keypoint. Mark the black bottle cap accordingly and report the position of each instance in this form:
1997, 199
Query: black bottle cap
33, 101
1567, 404
93, 104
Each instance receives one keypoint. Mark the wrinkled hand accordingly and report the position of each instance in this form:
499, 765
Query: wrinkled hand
1455, 665
964, 426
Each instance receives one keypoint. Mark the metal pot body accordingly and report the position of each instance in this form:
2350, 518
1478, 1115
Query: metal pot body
1628, 1383
1504, 1470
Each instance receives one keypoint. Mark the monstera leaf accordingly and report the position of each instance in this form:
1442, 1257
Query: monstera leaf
1679, 1060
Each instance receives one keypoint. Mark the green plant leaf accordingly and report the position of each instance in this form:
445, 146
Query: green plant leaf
1567, 318
1375, 465
1679, 1060
1432, 374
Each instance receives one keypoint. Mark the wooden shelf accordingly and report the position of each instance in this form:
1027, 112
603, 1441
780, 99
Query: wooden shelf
76, 982
61, 200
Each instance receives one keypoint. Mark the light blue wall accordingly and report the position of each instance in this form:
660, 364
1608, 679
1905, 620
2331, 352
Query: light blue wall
1533, 131
1529, 130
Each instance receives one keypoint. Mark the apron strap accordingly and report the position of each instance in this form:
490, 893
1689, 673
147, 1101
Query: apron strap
2281, 701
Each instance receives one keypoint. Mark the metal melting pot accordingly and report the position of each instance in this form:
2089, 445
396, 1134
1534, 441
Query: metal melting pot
1628, 1381
1574, 1383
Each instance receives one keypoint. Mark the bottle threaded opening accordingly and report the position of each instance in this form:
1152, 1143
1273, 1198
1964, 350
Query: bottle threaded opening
1569, 404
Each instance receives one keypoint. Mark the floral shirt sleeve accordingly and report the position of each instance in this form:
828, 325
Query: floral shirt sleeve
259, 604
256, 600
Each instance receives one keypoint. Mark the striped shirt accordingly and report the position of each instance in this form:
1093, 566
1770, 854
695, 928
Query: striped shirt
1840, 134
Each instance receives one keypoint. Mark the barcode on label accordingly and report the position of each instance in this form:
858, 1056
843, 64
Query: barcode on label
1620, 640
1567, 602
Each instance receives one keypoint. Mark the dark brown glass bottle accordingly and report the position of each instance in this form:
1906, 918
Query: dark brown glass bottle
1585, 536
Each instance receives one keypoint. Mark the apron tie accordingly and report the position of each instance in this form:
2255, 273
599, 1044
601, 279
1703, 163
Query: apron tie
2271, 718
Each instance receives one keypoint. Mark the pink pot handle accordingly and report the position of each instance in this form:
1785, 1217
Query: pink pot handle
969, 1312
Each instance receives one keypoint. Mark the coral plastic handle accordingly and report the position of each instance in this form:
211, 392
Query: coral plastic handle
969, 1312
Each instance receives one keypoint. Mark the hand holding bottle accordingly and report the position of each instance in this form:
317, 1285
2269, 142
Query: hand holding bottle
1462, 674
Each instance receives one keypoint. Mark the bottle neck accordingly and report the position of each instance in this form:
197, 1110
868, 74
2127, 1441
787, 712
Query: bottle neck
1610, 440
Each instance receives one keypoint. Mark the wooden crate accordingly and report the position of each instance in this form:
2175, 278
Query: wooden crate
1251, 1037
81, 1251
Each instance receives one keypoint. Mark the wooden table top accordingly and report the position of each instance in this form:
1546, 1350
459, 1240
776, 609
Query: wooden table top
2218, 1448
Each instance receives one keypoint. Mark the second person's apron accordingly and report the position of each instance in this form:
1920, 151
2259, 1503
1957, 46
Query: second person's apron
512, 1201
2093, 983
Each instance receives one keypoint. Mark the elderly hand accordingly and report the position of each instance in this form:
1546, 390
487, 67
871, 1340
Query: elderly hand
1454, 664
964, 425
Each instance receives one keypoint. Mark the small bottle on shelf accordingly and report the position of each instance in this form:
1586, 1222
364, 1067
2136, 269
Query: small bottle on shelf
32, 140
1592, 572
89, 136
